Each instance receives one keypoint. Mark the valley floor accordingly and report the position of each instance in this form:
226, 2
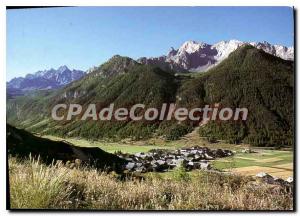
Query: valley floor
277, 163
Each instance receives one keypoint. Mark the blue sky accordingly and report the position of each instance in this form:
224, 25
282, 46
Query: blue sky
82, 37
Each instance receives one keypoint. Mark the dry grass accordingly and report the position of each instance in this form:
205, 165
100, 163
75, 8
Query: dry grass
282, 171
34, 185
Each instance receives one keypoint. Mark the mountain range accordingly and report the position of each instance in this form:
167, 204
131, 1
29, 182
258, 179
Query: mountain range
194, 56
191, 56
45, 79
248, 77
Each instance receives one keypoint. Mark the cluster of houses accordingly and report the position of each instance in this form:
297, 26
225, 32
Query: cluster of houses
161, 160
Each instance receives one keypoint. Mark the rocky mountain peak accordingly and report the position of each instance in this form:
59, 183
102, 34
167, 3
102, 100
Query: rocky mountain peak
191, 47
62, 68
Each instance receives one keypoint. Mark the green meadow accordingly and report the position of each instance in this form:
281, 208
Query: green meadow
112, 147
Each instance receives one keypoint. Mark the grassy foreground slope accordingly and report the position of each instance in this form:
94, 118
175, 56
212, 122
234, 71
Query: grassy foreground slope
36, 186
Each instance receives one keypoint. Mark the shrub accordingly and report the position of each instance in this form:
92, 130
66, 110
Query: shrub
181, 174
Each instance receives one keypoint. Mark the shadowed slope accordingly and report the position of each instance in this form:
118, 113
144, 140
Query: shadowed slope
22, 143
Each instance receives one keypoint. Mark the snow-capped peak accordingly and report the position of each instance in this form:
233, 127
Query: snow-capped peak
224, 48
191, 46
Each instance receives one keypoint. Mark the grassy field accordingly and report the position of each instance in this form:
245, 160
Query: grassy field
36, 186
125, 146
128, 146
275, 162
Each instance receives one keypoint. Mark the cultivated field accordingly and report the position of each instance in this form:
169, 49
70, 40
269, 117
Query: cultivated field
274, 162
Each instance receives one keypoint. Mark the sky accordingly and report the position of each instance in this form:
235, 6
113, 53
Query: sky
83, 37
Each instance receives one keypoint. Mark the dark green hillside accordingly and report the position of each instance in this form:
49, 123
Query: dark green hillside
22, 144
253, 79
144, 84
248, 78
129, 84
